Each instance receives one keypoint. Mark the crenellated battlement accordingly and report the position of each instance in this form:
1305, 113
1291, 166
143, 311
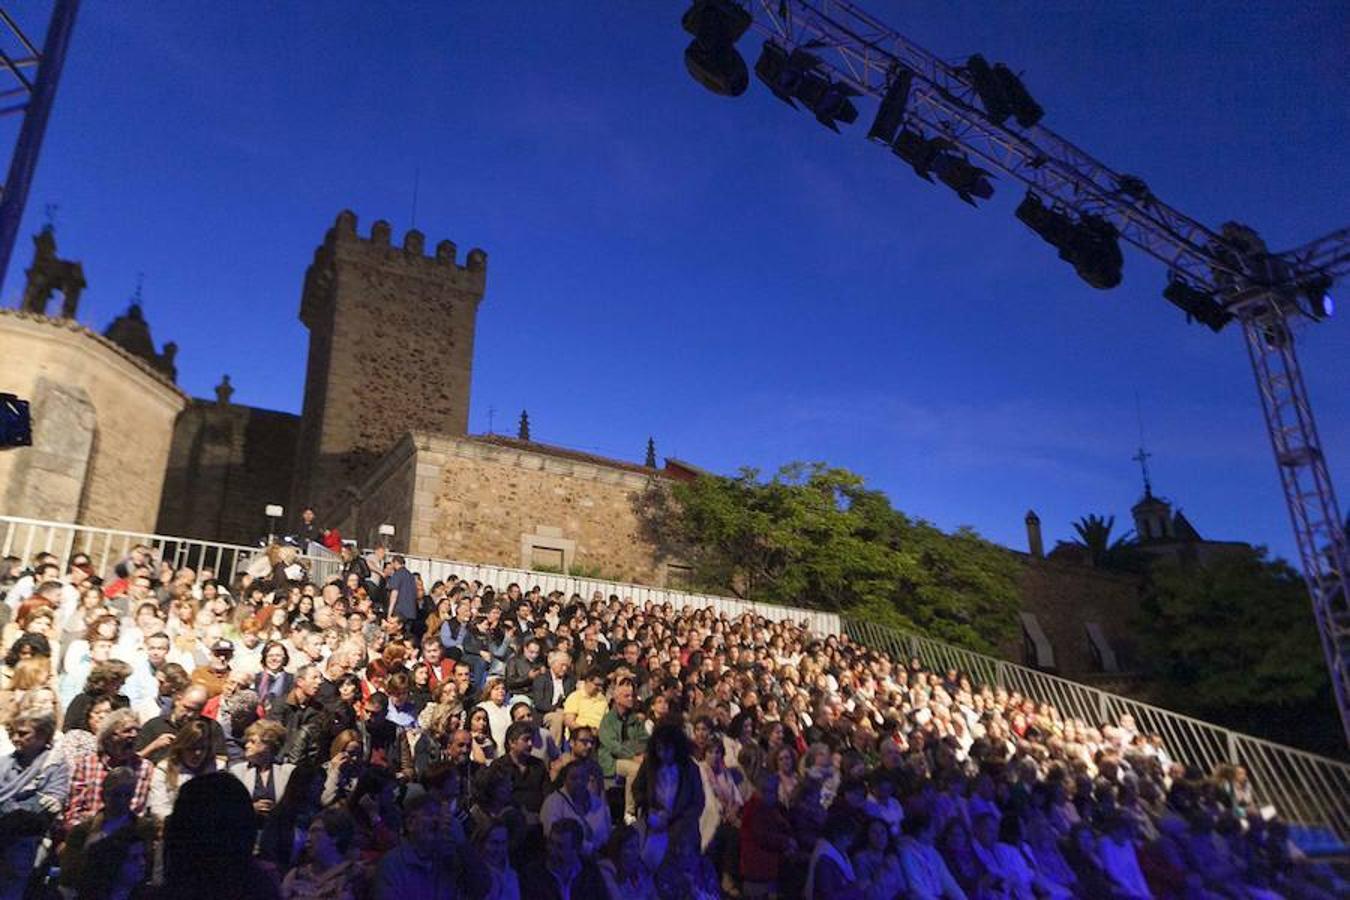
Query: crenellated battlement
378, 246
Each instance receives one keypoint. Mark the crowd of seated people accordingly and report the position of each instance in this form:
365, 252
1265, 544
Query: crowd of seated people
170, 734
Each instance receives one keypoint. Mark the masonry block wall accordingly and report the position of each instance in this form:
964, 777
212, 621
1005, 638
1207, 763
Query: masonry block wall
1064, 598
228, 462
501, 502
102, 425
391, 351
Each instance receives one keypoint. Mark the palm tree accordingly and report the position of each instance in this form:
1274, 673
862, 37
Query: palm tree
1094, 535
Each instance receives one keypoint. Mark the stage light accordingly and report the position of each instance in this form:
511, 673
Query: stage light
1199, 306
891, 112
996, 104
774, 69
1094, 252
834, 106
1090, 244
1052, 226
1317, 292
919, 151
959, 174
1025, 109
1002, 93
711, 57
798, 78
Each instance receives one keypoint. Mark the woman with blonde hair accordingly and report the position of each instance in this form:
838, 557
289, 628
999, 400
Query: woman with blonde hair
189, 756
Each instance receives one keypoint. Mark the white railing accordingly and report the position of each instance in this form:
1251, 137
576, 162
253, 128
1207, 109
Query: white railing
106, 547
433, 570
1303, 787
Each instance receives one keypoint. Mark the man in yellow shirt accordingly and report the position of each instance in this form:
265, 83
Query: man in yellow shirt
586, 705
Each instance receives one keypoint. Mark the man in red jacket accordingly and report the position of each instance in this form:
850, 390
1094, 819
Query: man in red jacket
766, 838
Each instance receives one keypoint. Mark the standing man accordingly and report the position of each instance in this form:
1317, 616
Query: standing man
403, 594
309, 530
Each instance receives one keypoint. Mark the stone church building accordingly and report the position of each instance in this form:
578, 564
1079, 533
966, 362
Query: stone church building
382, 440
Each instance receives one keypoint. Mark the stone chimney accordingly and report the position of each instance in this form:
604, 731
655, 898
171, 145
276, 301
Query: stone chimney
1035, 545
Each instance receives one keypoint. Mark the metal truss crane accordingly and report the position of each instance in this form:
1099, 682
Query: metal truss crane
30, 75
841, 51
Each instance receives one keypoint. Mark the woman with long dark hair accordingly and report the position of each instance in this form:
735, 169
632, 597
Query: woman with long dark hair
668, 793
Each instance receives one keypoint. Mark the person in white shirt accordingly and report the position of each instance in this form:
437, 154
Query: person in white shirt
575, 800
926, 873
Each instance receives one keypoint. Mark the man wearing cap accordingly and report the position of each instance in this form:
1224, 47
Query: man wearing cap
216, 672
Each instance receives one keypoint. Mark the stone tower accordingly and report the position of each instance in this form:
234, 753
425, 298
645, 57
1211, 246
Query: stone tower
390, 351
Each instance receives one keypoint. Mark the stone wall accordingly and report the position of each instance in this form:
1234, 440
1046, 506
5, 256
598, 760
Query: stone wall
391, 351
103, 420
513, 503
1065, 597
227, 463
387, 499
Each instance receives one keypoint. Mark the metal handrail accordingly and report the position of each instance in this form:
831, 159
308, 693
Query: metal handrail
431, 569
106, 547
1303, 787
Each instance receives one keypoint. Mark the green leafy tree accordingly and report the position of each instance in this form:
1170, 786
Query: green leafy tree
1235, 632
813, 535
1094, 535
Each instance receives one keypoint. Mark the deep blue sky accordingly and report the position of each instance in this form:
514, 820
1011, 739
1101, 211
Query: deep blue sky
723, 274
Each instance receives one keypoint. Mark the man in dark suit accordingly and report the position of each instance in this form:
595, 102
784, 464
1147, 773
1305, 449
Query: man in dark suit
522, 669
550, 689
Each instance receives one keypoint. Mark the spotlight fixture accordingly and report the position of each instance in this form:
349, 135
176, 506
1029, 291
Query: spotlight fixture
798, 77
1317, 293
938, 156
920, 152
1051, 225
711, 57
1199, 306
774, 67
1094, 252
1090, 244
959, 174
891, 112
1003, 93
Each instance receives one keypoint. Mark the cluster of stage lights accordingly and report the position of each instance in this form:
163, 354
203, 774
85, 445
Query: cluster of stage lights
1087, 242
